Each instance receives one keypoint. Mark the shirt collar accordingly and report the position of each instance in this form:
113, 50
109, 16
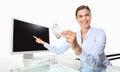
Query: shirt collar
88, 33
79, 35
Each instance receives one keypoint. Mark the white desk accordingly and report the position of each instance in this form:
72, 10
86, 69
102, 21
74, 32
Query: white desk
16, 64
45, 68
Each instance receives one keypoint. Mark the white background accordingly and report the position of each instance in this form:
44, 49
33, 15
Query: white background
105, 15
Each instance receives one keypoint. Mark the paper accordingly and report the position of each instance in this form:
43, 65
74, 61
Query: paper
57, 31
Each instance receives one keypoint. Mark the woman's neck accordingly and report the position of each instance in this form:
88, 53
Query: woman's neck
84, 30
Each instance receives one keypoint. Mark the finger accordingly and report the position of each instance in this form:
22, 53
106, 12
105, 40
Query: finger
35, 37
67, 36
68, 40
64, 33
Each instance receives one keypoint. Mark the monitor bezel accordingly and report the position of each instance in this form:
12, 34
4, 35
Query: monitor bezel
25, 52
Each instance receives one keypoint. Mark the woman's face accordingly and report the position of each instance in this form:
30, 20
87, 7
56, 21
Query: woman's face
84, 18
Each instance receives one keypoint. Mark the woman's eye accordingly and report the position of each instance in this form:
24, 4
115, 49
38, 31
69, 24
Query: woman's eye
80, 16
87, 15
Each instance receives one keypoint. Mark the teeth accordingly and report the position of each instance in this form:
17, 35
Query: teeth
85, 22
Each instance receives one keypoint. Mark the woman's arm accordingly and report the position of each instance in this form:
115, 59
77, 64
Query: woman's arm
54, 49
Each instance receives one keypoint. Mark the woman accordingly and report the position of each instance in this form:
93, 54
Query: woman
88, 43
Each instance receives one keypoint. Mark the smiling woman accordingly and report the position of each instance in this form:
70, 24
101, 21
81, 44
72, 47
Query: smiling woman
88, 43
83, 16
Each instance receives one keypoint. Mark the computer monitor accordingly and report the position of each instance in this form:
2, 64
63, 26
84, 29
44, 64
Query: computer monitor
23, 41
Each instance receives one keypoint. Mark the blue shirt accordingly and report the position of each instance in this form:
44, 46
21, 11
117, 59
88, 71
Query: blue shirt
92, 57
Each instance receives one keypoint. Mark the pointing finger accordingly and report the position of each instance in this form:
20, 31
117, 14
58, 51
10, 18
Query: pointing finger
35, 37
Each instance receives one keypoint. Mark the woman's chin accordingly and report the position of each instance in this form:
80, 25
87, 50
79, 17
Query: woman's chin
86, 27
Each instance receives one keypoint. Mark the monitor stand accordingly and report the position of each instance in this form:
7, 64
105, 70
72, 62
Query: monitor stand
29, 59
28, 56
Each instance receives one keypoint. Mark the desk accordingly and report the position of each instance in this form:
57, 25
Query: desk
17, 64
54, 66
44, 65
45, 68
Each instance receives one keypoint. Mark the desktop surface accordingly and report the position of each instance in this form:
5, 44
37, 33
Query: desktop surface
53, 66
61, 64
48, 66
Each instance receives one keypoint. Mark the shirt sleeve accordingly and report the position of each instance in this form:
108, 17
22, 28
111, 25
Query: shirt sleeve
95, 56
57, 50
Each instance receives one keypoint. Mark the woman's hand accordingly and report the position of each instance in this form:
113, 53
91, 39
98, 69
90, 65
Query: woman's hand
39, 40
71, 38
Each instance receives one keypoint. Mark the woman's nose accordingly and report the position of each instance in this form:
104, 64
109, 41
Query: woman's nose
84, 18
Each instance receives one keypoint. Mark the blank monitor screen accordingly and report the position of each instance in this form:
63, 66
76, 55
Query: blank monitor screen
23, 36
